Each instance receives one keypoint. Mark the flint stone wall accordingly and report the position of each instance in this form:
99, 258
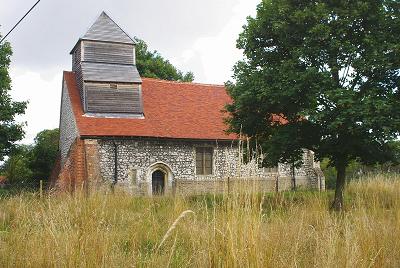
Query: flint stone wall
135, 157
138, 155
68, 128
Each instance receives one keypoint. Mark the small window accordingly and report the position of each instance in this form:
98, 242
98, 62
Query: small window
204, 160
113, 86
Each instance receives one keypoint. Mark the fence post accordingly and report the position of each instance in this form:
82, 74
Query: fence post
41, 189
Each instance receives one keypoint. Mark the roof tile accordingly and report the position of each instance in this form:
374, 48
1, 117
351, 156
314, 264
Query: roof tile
171, 110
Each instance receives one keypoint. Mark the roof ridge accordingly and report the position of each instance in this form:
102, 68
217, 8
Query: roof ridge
181, 82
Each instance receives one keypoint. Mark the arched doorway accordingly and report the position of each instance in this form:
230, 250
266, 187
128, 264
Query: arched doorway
167, 182
158, 182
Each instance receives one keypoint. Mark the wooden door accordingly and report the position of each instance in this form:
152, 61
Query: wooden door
158, 182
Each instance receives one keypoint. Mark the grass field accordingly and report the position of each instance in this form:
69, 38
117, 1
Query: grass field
240, 229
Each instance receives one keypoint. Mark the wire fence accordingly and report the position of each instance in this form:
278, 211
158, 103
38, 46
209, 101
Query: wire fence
14, 188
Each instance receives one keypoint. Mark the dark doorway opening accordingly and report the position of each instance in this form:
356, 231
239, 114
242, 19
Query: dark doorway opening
158, 182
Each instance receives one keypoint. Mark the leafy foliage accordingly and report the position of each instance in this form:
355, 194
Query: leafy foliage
331, 69
28, 164
152, 65
10, 131
44, 153
17, 167
355, 169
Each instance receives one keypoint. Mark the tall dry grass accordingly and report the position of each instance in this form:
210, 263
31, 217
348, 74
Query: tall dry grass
239, 229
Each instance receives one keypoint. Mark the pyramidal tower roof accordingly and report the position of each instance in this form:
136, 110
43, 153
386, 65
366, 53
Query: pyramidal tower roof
105, 29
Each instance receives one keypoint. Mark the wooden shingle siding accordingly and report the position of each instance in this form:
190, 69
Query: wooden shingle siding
77, 68
101, 98
79, 81
76, 57
106, 74
108, 53
103, 72
105, 29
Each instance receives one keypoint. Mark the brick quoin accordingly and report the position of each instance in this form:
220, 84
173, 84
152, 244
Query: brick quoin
72, 175
81, 168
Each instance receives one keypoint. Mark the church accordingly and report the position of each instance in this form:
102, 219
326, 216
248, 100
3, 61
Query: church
150, 136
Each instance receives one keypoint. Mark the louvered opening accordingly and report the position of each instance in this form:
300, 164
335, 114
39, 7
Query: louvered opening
104, 72
108, 53
105, 98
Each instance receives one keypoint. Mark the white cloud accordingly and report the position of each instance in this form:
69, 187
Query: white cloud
43, 94
217, 54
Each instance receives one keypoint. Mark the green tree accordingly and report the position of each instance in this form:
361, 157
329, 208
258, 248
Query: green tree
17, 167
151, 64
44, 153
10, 131
28, 164
331, 69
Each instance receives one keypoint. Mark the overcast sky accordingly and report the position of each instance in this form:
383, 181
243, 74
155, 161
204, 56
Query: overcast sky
195, 35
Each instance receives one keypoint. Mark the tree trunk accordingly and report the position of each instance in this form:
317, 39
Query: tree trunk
340, 182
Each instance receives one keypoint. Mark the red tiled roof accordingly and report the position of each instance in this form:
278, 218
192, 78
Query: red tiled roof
171, 109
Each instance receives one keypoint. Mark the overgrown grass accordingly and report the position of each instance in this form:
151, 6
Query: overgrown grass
240, 229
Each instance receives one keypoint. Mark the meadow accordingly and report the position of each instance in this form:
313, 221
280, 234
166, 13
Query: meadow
241, 228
